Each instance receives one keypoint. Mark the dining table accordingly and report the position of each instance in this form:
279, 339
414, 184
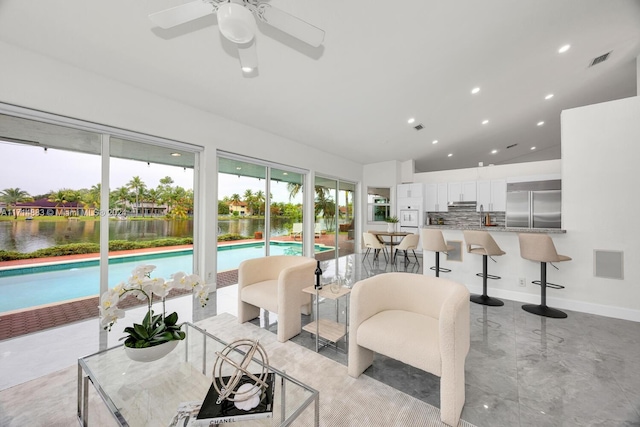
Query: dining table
395, 237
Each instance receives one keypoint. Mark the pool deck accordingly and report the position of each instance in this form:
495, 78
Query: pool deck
26, 321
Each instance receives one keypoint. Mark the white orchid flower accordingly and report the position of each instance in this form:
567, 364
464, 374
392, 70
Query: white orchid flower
160, 287
202, 293
142, 286
141, 273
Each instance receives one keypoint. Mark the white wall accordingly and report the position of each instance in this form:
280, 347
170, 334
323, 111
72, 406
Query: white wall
600, 150
38, 82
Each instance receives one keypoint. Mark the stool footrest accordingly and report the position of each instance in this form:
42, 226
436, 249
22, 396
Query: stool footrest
549, 285
489, 276
444, 270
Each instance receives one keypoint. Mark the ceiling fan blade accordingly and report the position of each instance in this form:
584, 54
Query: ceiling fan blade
289, 24
180, 14
248, 56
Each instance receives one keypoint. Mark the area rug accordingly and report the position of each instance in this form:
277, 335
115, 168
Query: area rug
344, 401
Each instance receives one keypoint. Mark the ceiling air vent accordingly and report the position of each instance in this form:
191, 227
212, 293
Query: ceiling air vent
512, 145
600, 59
419, 127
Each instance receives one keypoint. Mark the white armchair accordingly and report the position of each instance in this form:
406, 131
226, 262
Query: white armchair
275, 283
419, 320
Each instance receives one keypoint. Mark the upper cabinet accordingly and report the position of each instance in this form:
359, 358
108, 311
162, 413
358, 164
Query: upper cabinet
436, 197
410, 191
462, 191
492, 195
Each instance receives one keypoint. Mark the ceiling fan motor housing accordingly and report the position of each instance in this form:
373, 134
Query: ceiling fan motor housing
236, 23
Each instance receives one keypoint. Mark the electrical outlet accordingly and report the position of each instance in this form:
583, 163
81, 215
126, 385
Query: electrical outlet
522, 282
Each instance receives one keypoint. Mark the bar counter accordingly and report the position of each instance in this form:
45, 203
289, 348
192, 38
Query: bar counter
498, 228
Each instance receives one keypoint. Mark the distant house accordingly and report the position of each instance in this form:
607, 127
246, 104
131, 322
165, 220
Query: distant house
43, 207
241, 207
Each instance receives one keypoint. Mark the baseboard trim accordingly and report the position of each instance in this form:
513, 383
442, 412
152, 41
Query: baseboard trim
561, 303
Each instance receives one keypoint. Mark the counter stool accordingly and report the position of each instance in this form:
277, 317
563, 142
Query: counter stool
481, 243
433, 240
540, 248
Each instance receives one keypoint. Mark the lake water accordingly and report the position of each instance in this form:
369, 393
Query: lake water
29, 236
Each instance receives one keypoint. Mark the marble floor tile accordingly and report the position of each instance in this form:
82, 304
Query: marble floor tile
522, 370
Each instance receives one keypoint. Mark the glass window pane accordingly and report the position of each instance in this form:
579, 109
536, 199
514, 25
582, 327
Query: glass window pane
151, 222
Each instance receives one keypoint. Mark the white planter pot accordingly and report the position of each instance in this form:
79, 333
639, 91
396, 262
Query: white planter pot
391, 227
149, 354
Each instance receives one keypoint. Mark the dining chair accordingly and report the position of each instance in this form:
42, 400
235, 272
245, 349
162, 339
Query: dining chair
372, 242
408, 243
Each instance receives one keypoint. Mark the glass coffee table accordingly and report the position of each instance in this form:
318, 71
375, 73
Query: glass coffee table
149, 393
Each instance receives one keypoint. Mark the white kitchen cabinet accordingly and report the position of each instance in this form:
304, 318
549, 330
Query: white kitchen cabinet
492, 195
462, 191
436, 197
409, 191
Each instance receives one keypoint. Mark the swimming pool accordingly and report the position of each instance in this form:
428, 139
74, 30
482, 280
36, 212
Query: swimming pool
38, 285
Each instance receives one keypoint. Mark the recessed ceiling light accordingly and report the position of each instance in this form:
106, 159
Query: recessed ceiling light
533, 148
285, 173
435, 141
564, 48
450, 154
549, 96
411, 120
176, 154
238, 168
540, 123
484, 122
494, 151
475, 90
247, 69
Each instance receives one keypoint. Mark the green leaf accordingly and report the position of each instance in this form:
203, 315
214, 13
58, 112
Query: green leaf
171, 319
141, 331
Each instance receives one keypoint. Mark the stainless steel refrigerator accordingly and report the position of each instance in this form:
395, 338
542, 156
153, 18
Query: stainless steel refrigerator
534, 204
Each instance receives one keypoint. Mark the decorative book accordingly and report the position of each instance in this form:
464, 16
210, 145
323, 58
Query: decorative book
211, 412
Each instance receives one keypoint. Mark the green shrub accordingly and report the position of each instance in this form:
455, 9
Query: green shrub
93, 248
231, 236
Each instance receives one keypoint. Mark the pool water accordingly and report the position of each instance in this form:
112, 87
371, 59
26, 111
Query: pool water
30, 287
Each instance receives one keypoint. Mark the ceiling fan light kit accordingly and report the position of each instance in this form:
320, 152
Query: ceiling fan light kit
237, 24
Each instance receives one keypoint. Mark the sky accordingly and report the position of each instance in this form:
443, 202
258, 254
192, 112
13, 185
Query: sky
38, 172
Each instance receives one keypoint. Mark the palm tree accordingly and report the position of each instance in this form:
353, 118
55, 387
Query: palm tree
138, 187
59, 197
153, 196
249, 199
123, 196
11, 196
325, 205
260, 200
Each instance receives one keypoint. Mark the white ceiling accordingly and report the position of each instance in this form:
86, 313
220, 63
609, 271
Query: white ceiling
380, 64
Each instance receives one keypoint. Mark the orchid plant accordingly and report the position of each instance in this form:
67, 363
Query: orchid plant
155, 329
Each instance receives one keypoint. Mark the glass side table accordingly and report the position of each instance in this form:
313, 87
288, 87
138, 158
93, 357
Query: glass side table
327, 330
148, 394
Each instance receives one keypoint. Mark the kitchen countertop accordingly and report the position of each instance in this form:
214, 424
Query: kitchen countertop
497, 228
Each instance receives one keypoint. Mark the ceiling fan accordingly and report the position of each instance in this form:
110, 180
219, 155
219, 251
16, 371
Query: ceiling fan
237, 23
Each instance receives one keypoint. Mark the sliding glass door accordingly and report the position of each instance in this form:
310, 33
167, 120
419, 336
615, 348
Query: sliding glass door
260, 212
151, 219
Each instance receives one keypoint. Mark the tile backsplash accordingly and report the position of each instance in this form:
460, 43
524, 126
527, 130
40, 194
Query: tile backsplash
463, 215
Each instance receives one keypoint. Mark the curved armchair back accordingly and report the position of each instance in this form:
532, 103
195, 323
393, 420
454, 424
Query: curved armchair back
419, 320
425, 295
275, 284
